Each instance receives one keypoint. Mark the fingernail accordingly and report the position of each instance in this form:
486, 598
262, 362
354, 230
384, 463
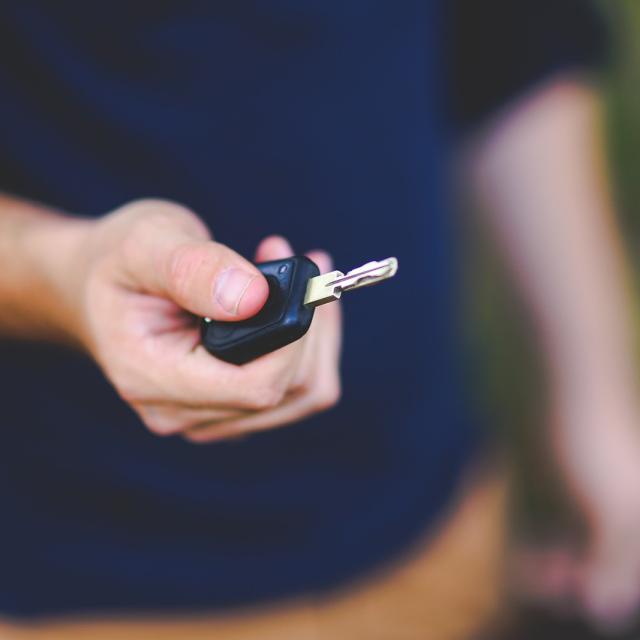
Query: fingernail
230, 287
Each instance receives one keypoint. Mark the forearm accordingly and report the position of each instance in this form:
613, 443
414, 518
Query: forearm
541, 177
40, 253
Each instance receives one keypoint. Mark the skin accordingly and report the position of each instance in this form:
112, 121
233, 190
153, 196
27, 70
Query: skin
539, 171
123, 289
118, 289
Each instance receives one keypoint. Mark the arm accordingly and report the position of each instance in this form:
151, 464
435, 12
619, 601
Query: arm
540, 174
123, 288
37, 252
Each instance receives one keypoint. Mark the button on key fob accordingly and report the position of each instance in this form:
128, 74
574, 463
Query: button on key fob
296, 288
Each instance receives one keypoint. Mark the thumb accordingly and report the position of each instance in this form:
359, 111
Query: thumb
209, 279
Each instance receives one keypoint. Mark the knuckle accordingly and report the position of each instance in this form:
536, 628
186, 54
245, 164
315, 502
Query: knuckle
180, 268
158, 208
302, 385
128, 393
159, 422
124, 374
160, 427
194, 437
328, 397
262, 398
150, 213
209, 434
183, 265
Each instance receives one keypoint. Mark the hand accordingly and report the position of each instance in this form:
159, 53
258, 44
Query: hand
598, 442
147, 268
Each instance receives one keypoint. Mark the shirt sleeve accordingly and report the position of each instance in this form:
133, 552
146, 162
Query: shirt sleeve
496, 49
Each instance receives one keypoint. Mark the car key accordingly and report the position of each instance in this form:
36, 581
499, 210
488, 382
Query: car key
296, 288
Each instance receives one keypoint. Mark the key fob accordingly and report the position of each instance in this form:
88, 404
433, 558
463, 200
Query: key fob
283, 319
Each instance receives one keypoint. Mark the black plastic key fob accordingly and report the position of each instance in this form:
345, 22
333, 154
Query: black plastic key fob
283, 319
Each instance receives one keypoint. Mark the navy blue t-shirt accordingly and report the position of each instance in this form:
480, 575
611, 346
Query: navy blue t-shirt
325, 121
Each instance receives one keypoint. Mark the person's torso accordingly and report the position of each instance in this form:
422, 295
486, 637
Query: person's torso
316, 120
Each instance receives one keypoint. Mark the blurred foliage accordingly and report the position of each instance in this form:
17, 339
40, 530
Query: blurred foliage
622, 94
506, 361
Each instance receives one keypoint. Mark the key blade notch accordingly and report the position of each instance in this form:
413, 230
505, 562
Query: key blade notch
320, 289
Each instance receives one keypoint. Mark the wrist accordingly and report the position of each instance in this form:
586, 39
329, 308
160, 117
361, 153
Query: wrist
43, 290
65, 250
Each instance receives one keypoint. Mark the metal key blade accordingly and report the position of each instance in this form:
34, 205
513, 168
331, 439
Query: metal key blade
329, 286
367, 274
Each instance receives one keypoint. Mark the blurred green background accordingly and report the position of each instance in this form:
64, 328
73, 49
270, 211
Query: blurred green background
622, 94
506, 364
